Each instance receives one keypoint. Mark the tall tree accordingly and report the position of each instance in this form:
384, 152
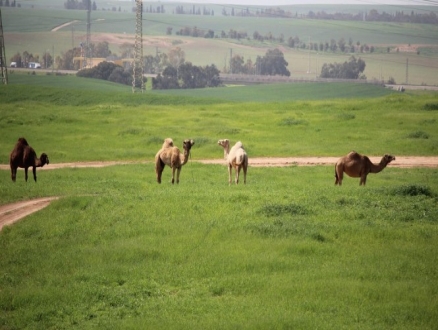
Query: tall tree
273, 63
347, 70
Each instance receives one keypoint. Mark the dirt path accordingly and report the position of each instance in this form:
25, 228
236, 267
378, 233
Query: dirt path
10, 213
63, 25
402, 161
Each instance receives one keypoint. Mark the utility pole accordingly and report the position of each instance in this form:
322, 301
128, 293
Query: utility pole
138, 63
407, 70
231, 60
308, 71
72, 37
87, 61
3, 64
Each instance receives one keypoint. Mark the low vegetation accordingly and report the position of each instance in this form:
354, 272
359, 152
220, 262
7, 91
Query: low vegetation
286, 250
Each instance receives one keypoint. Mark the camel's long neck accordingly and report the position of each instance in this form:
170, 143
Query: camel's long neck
226, 151
376, 168
38, 162
185, 157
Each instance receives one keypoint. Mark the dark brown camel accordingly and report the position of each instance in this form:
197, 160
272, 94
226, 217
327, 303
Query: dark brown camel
359, 166
24, 156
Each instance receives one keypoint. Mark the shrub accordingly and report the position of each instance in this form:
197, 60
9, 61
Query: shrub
430, 106
412, 190
272, 210
291, 122
418, 135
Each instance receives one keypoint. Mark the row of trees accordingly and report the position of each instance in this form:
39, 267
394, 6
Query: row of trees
66, 60
23, 60
186, 76
374, 16
8, 3
108, 71
351, 69
180, 10
273, 63
334, 46
80, 5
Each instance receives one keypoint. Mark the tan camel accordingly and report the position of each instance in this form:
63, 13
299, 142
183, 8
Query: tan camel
359, 166
24, 156
171, 156
237, 158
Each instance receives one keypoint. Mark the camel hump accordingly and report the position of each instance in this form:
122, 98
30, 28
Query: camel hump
239, 144
240, 156
22, 140
168, 142
29, 152
353, 153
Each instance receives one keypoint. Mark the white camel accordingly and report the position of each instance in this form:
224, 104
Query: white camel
236, 157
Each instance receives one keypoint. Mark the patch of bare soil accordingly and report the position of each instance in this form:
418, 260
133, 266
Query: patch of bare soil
63, 25
13, 212
402, 161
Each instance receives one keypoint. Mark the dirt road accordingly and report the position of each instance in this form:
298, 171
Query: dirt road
403, 161
10, 213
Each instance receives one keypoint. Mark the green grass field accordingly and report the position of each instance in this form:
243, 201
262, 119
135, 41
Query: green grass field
288, 250
133, 126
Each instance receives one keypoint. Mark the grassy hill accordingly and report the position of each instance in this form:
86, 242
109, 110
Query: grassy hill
252, 93
273, 120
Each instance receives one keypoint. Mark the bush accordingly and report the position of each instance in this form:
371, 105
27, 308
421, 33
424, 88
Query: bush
430, 106
412, 190
271, 210
107, 71
418, 135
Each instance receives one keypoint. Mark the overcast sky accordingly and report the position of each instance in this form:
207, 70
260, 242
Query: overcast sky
292, 2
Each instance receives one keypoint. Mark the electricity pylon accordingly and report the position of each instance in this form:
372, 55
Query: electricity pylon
137, 64
87, 54
3, 64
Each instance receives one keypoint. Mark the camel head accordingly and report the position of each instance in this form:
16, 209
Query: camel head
44, 159
387, 159
188, 144
225, 143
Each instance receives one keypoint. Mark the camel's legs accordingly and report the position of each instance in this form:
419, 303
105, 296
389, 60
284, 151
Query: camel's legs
25, 173
245, 168
339, 176
178, 171
363, 180
230, 167
34, 173
173, 174
13, 173
238, 168
159, 167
